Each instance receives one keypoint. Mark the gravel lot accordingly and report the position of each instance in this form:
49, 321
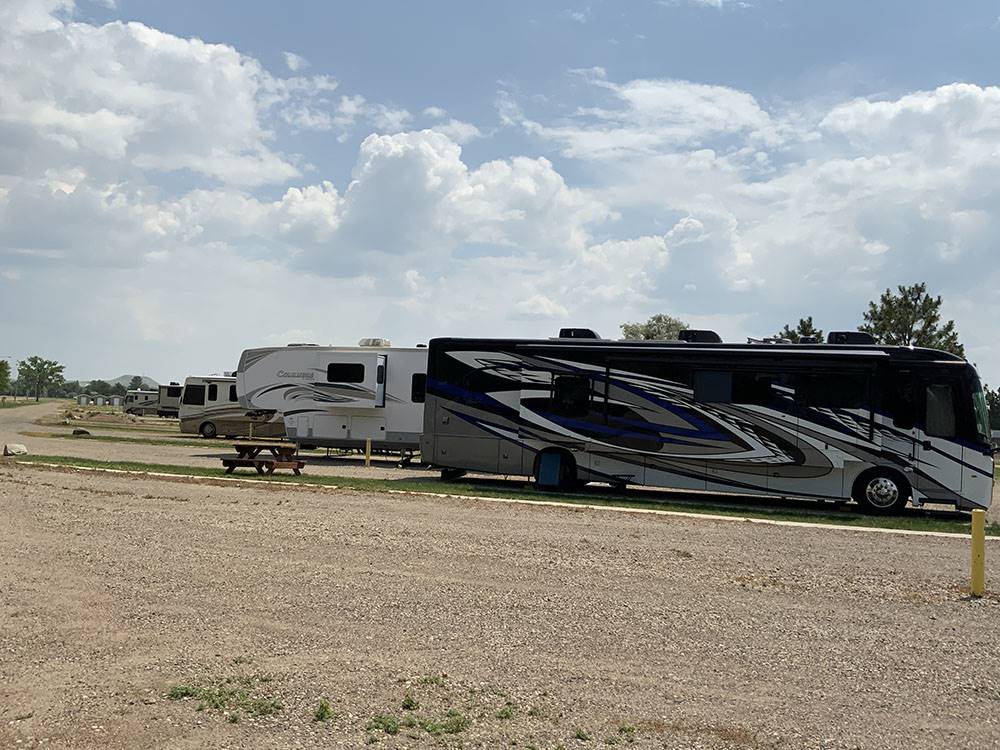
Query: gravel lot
531, 625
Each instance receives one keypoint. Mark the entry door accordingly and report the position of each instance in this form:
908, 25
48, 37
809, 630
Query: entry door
937, 448
904, 401
381, 375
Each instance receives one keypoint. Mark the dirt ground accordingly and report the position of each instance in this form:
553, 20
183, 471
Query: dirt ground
497, 625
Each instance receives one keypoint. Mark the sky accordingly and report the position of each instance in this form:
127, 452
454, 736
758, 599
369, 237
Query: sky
181, 181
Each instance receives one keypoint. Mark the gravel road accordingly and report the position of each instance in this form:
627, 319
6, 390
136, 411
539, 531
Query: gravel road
535, 627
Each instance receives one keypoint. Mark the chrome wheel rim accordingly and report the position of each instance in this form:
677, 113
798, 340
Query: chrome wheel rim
882, 492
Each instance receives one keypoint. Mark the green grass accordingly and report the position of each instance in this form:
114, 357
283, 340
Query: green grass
384, 722
233, 695
410, 703
648, 500
323, 711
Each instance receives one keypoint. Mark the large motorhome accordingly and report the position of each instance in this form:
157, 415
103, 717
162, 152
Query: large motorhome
339, 396
878, 424
170, 400
141, 402
209, 407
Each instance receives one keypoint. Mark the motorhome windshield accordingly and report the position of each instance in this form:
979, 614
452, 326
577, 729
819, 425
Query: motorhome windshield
982, 410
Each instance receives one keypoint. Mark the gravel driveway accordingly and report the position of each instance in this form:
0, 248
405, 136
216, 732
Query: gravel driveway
498, 625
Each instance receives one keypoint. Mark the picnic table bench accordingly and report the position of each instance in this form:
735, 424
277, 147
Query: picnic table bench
248, 456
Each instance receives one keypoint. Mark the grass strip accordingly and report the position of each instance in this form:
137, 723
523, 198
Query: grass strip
913, 521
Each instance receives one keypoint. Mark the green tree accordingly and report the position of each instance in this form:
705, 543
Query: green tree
100, 387
660, 327
136, 383
911, 317
117, 390
37, 374
804, 329
993, 401
4, 376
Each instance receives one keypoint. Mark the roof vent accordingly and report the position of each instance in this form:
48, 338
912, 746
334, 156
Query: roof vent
693, 336
854, 338
577, 333
374, 342
809, 340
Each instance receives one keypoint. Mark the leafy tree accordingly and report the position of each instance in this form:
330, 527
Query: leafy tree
136, 383
118, 390
37, 374
993, 401
4, 376
100, 387
660, 327
804, 329
911, 317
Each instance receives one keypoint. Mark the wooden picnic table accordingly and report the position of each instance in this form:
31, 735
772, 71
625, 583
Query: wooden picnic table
281, 451
248, 455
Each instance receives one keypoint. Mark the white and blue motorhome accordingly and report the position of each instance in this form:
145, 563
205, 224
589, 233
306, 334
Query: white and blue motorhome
883, 425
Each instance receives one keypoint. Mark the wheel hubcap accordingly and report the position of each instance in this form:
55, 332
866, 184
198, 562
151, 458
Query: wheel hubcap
882, 492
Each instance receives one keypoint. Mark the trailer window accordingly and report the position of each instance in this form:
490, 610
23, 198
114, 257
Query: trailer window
232, 393
380, 375
940, 416
345, 372
418, 387
194, 395
843, 390
213, 392
174, 392
571, 395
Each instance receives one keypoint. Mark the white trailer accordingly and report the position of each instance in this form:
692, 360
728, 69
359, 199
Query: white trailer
209, 407
339, 397
141, 402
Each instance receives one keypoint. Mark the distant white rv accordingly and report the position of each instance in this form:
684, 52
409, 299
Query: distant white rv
141, 402
209, 407
170, 400
339, 397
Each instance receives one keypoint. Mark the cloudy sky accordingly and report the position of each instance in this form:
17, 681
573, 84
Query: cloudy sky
182, 180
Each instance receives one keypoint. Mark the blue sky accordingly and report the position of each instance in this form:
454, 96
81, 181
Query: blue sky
183, 180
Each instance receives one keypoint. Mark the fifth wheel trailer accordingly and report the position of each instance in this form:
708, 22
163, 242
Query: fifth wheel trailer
339, 397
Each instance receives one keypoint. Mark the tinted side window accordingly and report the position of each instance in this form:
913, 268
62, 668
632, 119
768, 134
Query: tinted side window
213, 392
713, 387
571, 395
940, 417
901, 397
418, 387
194, 395
349, 372
842, 390
174, 391
232, 393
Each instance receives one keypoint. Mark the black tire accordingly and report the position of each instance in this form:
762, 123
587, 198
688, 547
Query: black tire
567, 472
208, 430
881, 492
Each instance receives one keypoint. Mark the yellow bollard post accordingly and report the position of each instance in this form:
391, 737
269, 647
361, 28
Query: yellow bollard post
978, 552
368, 451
